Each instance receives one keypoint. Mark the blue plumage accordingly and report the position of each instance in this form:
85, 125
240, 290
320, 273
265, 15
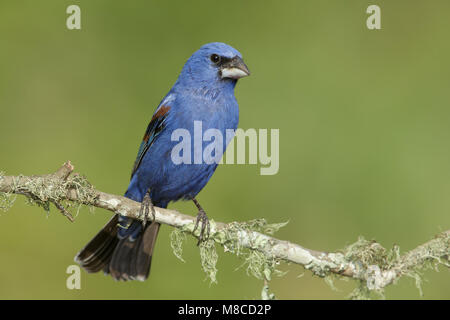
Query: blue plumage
198, 94
203, 92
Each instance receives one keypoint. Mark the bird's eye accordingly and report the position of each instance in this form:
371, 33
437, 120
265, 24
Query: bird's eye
215, 58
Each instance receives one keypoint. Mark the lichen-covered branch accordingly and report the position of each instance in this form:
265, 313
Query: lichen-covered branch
367, 261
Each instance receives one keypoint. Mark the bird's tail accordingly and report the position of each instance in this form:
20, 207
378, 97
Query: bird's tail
123, 257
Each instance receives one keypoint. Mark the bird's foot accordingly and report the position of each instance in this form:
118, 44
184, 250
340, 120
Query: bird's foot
203, 218
146, 207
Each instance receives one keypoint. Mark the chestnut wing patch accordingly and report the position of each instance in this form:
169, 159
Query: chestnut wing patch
155, 126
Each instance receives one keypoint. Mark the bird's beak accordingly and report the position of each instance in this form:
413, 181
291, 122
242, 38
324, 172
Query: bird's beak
234, 69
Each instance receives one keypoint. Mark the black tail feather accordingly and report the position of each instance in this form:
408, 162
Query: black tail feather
97, 253
145, 252
122, 259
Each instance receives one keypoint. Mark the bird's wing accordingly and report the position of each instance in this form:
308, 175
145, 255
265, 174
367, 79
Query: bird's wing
154, 128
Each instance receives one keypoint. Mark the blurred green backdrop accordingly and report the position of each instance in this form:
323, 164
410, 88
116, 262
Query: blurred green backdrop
363, 118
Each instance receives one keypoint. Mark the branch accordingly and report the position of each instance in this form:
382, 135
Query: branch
366, 261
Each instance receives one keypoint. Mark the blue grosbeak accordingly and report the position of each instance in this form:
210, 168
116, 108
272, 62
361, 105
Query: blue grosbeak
204, 92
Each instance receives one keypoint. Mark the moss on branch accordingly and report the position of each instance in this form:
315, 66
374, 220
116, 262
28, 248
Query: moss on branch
373, 266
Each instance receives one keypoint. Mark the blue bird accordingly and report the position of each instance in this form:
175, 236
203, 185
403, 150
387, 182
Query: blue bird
203, 93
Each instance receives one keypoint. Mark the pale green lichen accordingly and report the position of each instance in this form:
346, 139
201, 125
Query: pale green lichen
229, 236
257, 225
366, 256
177, 238
363, 254
43, 191
208, 258
86, 193
260, 265
430, 256
329, 280
265, 294
207, 248
361, 292
322, 266
370, 254
6, 199
257, 263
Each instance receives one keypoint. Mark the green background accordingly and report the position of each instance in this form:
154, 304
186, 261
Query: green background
363, 118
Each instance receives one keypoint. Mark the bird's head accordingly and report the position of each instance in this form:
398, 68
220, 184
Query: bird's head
215, 64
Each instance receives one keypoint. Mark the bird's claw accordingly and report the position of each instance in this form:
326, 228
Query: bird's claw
201, 216
146, 207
